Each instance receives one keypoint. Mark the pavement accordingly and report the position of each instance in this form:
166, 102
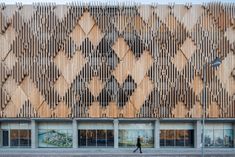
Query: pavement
111, 152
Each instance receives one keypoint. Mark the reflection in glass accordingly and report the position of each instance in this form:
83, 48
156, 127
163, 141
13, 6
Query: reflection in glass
95, 138
24, 137
110, 138
179, 139
189, 140
147, 137
121, 138
228, 138
170, 137
101, 137
5, 138
209, 137
218, 137
81, 137
14, 138
91, 137
162, 137
127, 138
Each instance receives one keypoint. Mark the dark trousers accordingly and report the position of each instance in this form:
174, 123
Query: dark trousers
138, 147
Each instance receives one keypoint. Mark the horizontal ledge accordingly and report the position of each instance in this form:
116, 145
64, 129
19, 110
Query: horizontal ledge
113, 3
120, 119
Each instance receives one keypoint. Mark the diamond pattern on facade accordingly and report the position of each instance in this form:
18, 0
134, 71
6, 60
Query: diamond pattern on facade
124, 67
197, 85
78, 35
179, 60
61, 86
120, 48
188, 48
224, 73
95, 35
95, 86
231, 38
86, 22
101, 61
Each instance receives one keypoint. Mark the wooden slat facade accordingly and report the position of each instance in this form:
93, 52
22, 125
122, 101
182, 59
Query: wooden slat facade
96, 60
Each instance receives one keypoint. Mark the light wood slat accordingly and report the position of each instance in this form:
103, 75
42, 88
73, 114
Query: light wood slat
100, 61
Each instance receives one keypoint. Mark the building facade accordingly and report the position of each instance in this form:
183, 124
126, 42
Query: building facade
94, 75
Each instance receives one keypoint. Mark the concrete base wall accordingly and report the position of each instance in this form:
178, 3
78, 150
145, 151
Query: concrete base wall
34, 134
75, 134
115, 124
197, 134
157, 134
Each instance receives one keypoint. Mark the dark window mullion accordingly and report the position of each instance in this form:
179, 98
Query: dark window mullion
174, 138
106, 141
95, 138
86, 139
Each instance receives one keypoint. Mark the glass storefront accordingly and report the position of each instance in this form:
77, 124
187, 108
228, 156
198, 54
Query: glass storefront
101, 134
176, 138
219, 135
91, 137
176, 135
110, 138
21, 138
95, 138
82, 138
95, 135
128, 134
101, 137
55, 135
15, 135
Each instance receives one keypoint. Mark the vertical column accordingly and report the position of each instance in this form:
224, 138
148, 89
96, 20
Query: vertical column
197, 134
75, 133
115, 124
34, 134
156, 134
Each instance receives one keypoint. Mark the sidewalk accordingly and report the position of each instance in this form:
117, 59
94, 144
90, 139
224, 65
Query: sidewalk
111, 152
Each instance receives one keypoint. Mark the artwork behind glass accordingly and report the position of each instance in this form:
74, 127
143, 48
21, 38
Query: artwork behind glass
55, 138
127, 138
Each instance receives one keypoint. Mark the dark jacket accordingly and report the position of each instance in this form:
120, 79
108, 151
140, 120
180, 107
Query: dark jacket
138, 144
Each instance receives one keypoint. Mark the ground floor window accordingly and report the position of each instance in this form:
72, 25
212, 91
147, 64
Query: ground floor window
95, 134
180, 138
101, 134
20, 138
55, 135
15, 135
95, 138
55, 138
219, 136
16, 138
128, 134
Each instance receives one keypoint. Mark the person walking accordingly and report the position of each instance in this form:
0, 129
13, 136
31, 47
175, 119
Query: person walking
138, 145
